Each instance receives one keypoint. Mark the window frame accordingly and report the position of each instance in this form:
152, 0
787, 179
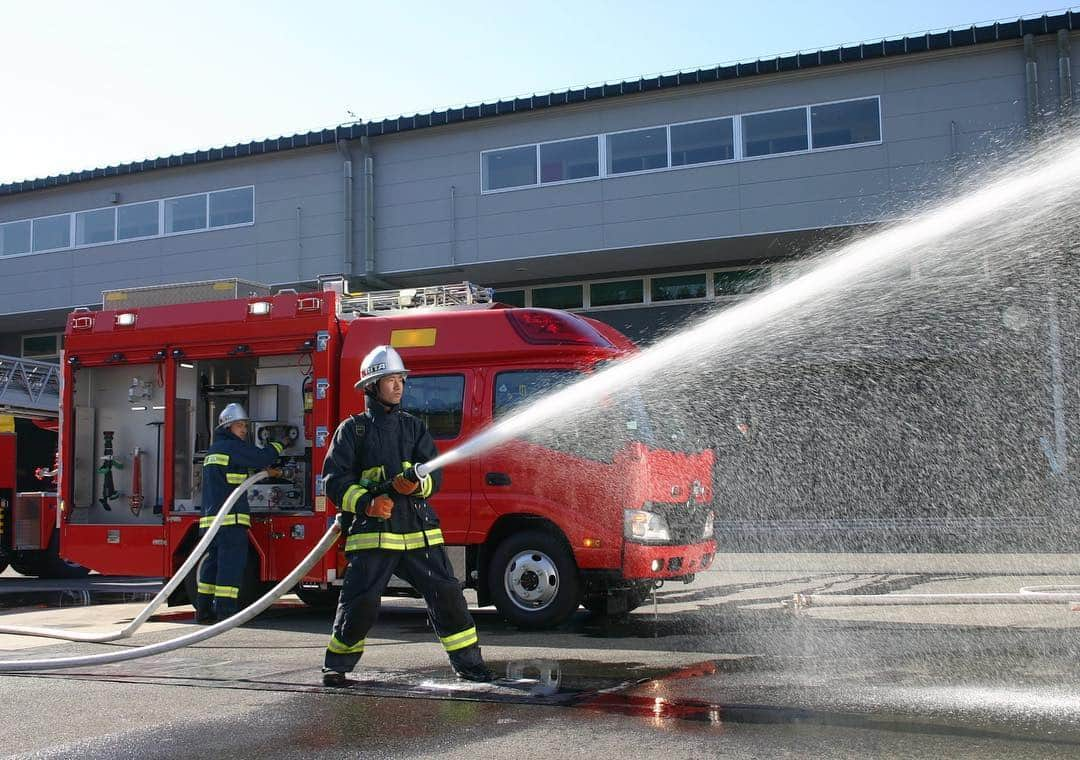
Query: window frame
737, 135
72, 227
58, 342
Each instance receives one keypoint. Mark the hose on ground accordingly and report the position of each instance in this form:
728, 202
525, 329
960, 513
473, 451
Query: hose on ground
283, 586
178, 578
1026, 595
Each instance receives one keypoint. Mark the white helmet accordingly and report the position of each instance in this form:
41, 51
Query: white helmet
230, 414
380, 362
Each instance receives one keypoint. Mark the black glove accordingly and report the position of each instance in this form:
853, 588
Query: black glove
344, 521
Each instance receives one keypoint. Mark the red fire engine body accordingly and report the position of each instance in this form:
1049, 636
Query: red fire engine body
534, 526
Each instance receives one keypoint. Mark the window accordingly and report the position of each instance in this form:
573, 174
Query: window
438, 401
184, 214
637, 151
510, 297
515, 388
737, 282
137, 220
558, 297
14, 238
52, 232
569, 159
95, 226
703, 142
678, 287
774, 132
616, 293
849, 123
41, 347
514, 167
229, 207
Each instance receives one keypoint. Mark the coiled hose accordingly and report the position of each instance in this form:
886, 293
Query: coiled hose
192, 560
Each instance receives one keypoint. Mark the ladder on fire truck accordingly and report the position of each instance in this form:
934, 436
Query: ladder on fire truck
428, 297
29, 387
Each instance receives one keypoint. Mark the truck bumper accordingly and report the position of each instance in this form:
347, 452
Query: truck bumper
642, 562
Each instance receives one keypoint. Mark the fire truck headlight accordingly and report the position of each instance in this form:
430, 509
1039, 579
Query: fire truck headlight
639, 525
707, 531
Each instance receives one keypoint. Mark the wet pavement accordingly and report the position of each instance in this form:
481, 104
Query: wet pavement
717, 668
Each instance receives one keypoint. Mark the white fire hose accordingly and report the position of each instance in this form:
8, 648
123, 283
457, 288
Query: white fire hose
284, 586
1026, 595
192, 560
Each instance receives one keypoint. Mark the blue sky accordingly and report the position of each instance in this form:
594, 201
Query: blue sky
93, 84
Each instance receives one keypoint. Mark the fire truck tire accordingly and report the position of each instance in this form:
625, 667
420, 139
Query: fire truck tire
49, 564
534, 580
319, 599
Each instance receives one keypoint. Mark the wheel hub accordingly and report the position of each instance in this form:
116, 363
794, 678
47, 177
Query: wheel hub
531, 580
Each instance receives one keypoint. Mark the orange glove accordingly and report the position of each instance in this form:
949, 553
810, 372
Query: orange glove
380, 507
404, 486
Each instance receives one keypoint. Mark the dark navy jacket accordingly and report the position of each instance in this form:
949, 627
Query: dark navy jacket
229, 462
373, 447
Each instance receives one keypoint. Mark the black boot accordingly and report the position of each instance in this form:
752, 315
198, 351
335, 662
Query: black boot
336, 679
469, 665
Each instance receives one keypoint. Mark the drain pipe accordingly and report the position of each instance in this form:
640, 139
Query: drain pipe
283, 587
1031, 81
367, 180
178, 578
347, 210
1065, 85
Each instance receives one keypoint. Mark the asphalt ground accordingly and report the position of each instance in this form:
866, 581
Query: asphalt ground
717, 668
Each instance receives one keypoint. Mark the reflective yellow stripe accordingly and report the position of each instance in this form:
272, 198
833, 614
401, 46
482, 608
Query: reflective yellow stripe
207, 588
235, 478
374, 473
337, 646
460, 640
241, 519
277, 446
222, 459
352, 495
394, 541
228, 592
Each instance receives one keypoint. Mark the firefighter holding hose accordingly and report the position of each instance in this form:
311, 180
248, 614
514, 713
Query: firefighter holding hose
230, 460
389, 526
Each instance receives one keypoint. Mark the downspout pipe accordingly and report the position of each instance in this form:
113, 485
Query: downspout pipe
1031, 82
1065, 85
347, 210
370, 275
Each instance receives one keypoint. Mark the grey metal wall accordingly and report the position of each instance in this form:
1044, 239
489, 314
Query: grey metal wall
273, 250
424, 177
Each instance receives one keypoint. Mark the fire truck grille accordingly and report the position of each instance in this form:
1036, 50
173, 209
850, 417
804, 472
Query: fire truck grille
685, 521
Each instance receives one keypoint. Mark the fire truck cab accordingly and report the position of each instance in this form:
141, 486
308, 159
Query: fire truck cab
537, 525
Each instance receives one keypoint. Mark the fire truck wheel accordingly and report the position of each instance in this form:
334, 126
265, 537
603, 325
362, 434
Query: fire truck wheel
319, 599
534, 580
51, 565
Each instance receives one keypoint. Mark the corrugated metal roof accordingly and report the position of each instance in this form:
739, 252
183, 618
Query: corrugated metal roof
943, 40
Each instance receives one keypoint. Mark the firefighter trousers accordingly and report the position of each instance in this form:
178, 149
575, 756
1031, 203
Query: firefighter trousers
428, 571
221, 573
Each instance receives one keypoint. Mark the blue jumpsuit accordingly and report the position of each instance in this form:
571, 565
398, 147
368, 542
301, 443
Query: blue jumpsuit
229, 462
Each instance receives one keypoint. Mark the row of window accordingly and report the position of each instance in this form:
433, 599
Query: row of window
731, 138
637, 291
132, 221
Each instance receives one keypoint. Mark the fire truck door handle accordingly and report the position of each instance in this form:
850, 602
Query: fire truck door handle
497, 479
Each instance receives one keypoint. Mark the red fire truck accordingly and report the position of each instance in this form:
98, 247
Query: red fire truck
537, 525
